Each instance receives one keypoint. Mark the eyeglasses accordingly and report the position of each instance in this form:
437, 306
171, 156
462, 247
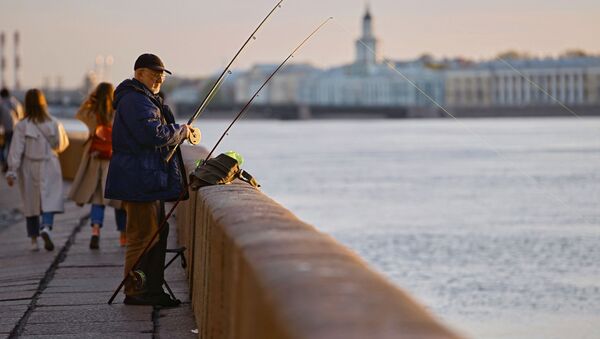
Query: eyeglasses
157, 75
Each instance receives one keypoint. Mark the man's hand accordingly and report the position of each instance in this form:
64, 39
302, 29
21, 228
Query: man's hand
10, 180
187, 130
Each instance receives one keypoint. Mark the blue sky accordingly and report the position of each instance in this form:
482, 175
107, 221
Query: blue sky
63, 37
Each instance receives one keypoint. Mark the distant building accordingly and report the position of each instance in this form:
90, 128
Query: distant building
571, 80
185, 95
514, 85
283, 89
368, 82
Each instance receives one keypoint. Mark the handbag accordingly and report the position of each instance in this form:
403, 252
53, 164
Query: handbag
101, 144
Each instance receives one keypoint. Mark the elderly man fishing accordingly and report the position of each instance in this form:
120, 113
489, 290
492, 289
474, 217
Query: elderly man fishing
144, 131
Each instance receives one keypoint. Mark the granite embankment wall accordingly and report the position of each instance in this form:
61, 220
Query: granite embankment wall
70, 158
257, 271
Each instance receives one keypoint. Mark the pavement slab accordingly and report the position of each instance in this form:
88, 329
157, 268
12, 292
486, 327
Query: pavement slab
92, 335
84, 327
64, 293
90, 314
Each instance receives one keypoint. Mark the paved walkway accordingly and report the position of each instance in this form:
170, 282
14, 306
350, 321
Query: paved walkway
64, 293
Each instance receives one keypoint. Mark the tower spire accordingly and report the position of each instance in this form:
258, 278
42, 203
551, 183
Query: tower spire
366, 46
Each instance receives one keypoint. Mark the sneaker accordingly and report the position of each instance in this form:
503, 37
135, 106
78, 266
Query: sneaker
45, 233
95, 242
163, 300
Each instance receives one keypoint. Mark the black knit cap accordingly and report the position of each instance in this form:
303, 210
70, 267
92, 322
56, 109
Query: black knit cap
150, 61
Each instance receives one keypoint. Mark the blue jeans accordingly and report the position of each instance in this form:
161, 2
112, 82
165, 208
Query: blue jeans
97, 216
33, 223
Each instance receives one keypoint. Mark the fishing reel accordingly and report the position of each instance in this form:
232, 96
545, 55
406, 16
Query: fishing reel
195, 136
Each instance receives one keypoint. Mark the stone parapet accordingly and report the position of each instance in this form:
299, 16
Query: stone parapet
70, 158
257, 271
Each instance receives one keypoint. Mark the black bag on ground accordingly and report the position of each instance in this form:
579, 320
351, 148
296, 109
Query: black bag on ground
219, 171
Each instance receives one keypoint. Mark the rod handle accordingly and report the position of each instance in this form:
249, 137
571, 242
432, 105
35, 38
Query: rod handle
171, 153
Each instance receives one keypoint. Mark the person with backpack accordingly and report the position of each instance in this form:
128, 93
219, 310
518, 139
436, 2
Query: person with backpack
11, 112
97, 113
33, 163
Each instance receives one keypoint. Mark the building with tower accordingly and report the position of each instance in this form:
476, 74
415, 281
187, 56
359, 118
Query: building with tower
367, 82
370, 82
517, 86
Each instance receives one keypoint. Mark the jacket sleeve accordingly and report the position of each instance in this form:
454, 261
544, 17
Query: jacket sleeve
142, 119
17, 148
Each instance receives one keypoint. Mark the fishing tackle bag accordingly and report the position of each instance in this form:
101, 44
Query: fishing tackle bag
220, 170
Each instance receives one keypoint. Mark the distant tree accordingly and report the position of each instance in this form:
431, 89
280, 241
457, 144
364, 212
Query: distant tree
514, 55
575, 53
426, 57
429, 62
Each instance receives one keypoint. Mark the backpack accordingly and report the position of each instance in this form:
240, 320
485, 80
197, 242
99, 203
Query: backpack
221, 170
102, 141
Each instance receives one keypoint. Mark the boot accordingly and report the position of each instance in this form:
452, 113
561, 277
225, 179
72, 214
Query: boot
95, 240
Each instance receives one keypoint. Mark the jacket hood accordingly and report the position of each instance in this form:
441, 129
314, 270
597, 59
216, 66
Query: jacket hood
128, 86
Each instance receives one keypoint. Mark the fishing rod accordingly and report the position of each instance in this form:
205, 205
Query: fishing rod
245, 108
215, 87
184, 190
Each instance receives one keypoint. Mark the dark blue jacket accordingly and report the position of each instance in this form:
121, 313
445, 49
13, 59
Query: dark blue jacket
143, 129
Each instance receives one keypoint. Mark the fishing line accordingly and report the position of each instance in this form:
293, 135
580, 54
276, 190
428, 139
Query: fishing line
245, 108
539, 87
477, 135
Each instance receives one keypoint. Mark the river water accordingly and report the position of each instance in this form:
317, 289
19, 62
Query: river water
492, 224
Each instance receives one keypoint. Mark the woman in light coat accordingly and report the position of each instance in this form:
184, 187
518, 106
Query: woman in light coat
33, 162
88, 185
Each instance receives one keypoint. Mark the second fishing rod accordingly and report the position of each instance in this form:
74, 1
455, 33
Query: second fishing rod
184, 190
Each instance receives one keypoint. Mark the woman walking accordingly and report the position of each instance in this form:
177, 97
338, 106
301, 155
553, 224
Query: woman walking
33, 162
88, 186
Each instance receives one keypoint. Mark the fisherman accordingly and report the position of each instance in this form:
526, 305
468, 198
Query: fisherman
144, 130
